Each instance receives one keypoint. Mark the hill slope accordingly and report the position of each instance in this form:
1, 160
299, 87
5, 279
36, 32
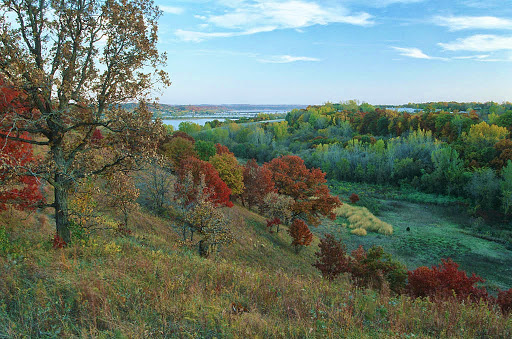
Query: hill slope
149, 284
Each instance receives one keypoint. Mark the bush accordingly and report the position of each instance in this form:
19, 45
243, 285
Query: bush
376, 268
354, 198
505, 301
332, 258
444, 281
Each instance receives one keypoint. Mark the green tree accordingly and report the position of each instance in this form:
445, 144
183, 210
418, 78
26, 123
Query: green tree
204, 149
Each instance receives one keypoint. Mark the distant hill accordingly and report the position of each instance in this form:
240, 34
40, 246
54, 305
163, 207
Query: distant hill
205, 109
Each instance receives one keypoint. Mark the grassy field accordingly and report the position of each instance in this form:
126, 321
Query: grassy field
438, 229
149, 284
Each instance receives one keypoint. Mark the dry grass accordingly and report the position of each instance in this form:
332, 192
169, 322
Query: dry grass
146, 285
362, 218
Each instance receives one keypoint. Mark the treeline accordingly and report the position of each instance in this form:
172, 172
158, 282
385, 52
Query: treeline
439, 152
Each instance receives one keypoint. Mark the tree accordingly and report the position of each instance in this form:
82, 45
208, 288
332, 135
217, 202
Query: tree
221, 149
307, 187
277, 206
205, 149
218, 191
300, 234
506, 187
332, 259
77, 61
229, 171
176, 150
258, 183
17, 186
122, 194
202, 216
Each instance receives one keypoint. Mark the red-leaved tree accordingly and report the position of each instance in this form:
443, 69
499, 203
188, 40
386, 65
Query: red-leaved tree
300, 234
218, 191
306, 186
258, 183
332, 259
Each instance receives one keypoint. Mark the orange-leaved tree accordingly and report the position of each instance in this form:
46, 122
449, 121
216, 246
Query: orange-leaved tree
77, 62
300, 233
218, 191
306, 186
258, 183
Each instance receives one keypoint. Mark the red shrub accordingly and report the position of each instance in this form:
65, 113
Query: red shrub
354, 198
332, 258
444, 281
271, 223
505, 301
58, 242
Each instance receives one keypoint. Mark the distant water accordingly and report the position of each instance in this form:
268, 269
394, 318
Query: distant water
175, 123
404, 109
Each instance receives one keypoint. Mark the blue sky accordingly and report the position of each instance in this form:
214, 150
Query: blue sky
313, 51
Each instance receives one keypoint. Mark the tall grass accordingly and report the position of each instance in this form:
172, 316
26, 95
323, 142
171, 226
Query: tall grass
361, 218
150, 285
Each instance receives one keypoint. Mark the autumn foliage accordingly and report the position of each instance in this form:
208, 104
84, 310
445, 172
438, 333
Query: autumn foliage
300, 234
504, 300
229, 171
332, 259
258, 183
306, 186
354, 198
17, 186
218, 191
444, 281
376, 269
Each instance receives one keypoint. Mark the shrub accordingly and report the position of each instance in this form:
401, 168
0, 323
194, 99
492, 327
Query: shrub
376, 269
505, 301
332, 258
354, 198
444, 281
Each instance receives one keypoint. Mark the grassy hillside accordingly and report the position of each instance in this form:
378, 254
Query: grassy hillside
150, 284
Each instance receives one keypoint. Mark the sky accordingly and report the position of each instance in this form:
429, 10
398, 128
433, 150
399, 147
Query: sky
315, 51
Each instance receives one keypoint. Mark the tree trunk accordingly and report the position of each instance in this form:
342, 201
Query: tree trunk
61, 208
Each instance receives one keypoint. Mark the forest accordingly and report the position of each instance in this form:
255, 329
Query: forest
114, 225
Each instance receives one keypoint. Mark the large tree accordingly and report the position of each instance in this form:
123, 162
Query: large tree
77, 61
306, 186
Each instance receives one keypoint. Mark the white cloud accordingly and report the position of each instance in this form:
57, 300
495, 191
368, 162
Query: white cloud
200, 36
412, 52
457, 23
477, 57
171, 9
283, 59
244, 18
479, 43
385, 3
